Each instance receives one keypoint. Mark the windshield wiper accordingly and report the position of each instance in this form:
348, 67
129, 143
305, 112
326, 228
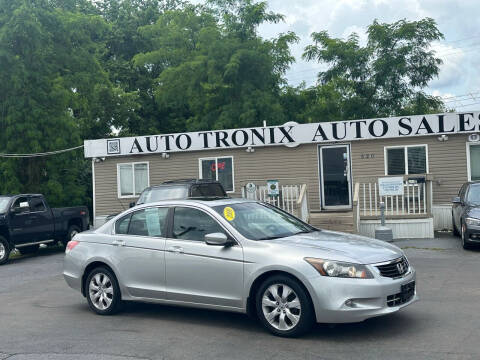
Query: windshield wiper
271, 237
304, 232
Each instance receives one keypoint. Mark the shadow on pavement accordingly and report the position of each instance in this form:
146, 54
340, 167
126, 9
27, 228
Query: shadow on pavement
385, 326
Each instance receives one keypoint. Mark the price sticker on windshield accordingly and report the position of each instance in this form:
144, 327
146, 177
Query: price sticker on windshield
229, 213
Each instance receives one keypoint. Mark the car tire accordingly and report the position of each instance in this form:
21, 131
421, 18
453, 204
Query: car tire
289, 316
71, 232
28, 249
102, 291
4, 250
465, 243
455, 230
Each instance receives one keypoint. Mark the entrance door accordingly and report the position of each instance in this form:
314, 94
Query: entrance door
335, 176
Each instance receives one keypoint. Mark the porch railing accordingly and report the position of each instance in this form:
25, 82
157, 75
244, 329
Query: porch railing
413, 202
292, 198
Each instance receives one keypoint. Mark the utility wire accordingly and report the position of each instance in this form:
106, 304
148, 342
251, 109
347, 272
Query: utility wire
49, 153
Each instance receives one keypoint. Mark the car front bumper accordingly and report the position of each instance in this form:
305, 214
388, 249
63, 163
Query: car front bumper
472, 234
340, 300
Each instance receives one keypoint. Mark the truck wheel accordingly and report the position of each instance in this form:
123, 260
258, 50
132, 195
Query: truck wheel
4, 250
28, 249
71, 232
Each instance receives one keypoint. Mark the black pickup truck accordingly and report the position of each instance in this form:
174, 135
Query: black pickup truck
26, 221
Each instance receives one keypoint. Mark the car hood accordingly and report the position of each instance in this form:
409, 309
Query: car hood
331, 245
473, 211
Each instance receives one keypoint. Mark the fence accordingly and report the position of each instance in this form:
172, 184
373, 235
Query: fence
292, 198
413, 202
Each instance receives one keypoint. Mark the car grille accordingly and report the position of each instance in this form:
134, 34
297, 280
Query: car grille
395, 268
405, 295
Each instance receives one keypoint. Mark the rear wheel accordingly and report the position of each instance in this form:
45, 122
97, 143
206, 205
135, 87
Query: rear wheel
284, 307
4, 250
28, 249
71, 232
103, 292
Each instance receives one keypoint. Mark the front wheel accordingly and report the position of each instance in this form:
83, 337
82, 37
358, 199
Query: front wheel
103, 292
284, 307
4, 250
463, 234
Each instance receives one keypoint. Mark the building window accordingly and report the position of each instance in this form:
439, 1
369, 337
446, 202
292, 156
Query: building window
406, 160
220, 169
473, 156
132, 179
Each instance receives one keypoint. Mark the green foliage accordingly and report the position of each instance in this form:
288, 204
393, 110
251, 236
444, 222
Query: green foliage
383, 78
214, 70
78, 69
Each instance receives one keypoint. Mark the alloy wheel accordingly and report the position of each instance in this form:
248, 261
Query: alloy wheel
3, 251
100, 291
281, 307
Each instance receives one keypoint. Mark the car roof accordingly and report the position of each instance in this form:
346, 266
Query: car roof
184, 182
206, 202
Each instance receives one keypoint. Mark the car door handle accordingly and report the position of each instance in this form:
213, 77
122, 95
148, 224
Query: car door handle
176, 249
118, 243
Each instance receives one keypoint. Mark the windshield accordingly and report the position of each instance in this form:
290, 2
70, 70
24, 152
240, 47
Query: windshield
258, 221
163, 193
474, 194
3, 204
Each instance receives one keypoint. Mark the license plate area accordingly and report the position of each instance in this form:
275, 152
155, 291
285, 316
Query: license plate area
407, 291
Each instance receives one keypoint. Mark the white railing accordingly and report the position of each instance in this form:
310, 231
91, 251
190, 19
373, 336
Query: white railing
302, 204
288, 198
412, 202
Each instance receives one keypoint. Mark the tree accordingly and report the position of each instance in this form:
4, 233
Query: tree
383, 78
214, 70
54, 94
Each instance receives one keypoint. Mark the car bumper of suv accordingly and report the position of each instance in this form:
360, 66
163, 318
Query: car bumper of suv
340, 300
472, 234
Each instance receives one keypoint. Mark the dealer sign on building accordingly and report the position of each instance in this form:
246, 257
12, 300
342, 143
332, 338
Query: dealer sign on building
289, 134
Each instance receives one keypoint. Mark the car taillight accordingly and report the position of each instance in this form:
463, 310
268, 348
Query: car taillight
70, 245
83, 212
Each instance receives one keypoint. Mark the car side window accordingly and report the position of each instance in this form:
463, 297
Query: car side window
193, 224
37, 204
21, 202
121, 226
148, 222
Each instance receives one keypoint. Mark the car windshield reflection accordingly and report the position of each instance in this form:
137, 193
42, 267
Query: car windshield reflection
258, 221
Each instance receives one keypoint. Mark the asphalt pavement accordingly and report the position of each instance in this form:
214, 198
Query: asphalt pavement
41, 318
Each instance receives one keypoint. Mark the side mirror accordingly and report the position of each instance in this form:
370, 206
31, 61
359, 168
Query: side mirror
132, 204
217, 239
456, 200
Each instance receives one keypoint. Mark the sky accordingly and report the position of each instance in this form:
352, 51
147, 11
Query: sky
457, 20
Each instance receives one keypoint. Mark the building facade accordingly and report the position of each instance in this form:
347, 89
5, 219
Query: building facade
335, 171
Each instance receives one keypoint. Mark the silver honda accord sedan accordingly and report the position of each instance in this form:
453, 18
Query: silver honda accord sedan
238, 255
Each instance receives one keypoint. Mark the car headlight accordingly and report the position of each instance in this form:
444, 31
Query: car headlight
472, 221
340, 269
